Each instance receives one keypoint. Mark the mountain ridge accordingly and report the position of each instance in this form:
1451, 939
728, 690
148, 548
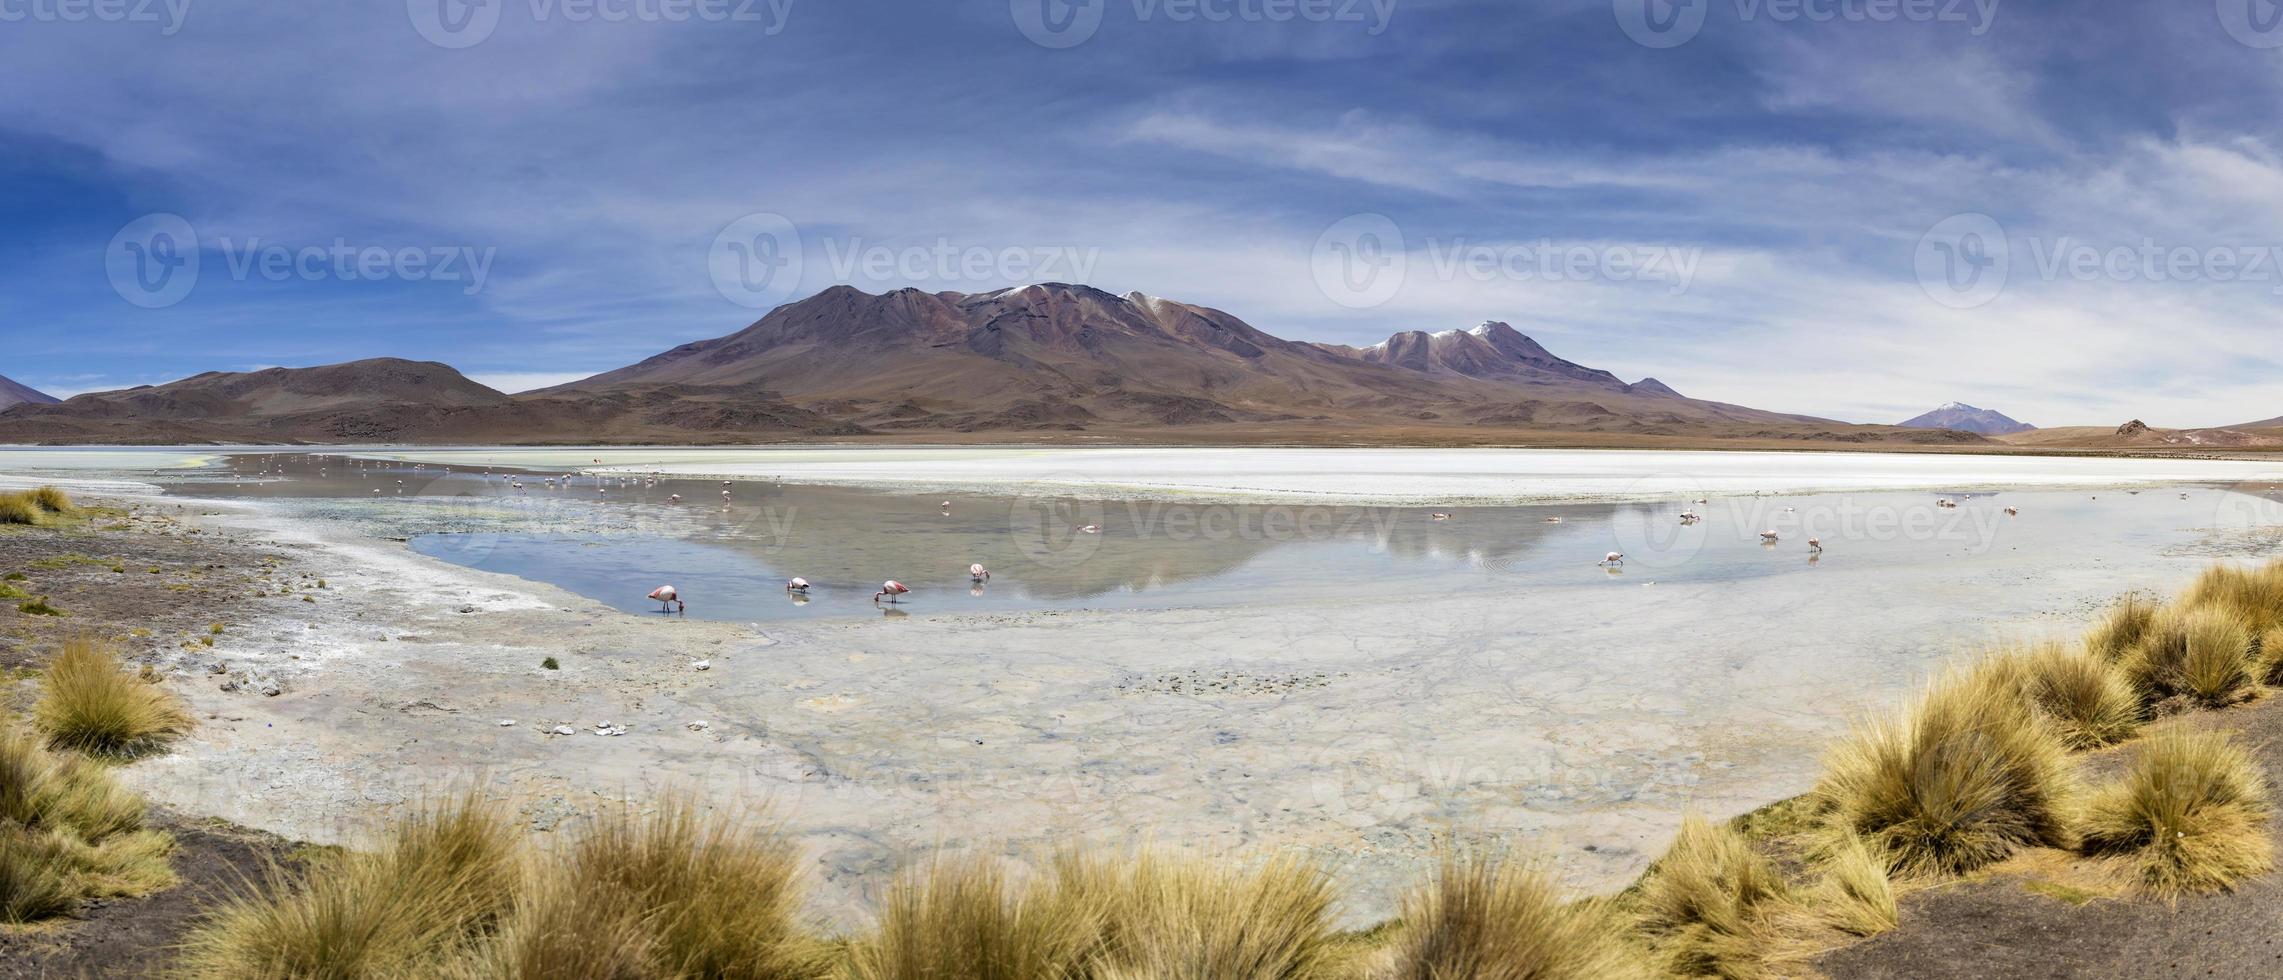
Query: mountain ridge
1961, 417
17, 393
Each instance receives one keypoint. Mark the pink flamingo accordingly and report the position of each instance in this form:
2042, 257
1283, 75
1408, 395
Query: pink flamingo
978, 572
1438, 516
1767, 537
1815, 545
674, 499
669, 600
797, 584
891, 589
1613, 558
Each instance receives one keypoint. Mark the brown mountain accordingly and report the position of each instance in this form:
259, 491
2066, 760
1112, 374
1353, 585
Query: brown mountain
1031, 362
1060, 357
12, 393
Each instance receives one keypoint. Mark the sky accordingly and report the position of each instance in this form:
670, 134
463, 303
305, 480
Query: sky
2071, 212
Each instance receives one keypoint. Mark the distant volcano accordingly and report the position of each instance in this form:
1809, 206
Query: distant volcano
12, 393
1961, 417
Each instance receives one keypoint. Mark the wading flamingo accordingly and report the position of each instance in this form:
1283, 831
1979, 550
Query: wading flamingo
1815, 545
1438, 516
2012, 512
668, 599
978, 572
891, 589
1613, 558
1767, 537
797, 584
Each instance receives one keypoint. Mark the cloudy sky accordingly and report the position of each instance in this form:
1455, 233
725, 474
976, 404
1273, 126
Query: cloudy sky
2072, 212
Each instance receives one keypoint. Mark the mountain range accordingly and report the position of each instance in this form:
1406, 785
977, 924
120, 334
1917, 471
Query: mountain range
12, 393
1047, 361
1966, 418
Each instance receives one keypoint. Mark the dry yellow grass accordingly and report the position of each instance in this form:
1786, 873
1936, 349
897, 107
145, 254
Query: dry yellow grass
35, 508
1707, 902
418, 905
2253, 595
2199, 653
2120, 630
2088, 701
1963, 777
963, 918
68, 832
1485, 917
90, 704
2192, 811
1163, 918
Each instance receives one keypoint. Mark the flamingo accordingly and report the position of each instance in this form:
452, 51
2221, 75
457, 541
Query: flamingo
1438, 516
978, 572
797, 584
945, 505
2012, 512
1092, 529
1551, 520
891, 589
668, 599
1768, 537
1815, 545
674, 499
1613, 558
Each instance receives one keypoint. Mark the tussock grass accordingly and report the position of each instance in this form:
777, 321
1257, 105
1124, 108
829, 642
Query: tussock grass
1965, 776
2119, 632
68, 832
2254, 596
1162, 918
1707, 902
1487, 917
1855, 894
35, 508
962, 918
671, 894
2192, 811
90, 704
416, 906
2088, 702
2198, 653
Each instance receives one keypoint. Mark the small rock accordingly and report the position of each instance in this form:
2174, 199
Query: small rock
564, 730
702, 665
467, 609
217, 667
697, 726
507, 723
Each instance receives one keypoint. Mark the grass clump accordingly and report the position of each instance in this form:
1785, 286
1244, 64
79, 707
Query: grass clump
2199, 654
35, 508
416, 906
1706, 902
89, 704
670, 894
2119, 632
2254, 596
1489, 918
1162, 918
550, 664
964, 919
2192, 811
1964, 777
69, 832
1855, 894
38, 607
2088, 703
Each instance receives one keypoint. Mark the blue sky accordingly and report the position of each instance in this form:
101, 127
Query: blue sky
1748, 214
